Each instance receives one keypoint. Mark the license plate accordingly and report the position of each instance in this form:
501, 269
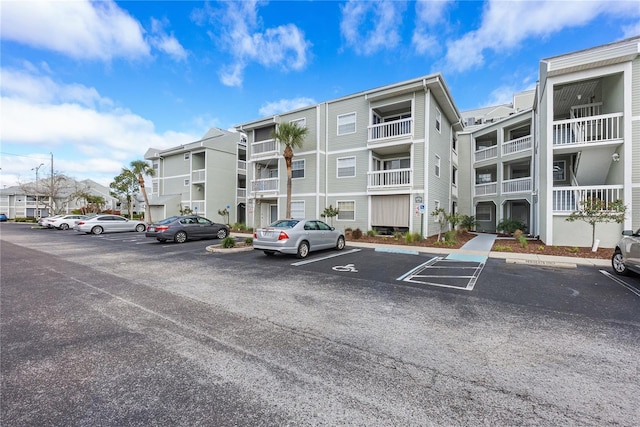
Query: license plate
152, 229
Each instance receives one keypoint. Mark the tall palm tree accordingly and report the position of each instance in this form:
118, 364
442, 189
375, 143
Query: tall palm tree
140, 168
291, 136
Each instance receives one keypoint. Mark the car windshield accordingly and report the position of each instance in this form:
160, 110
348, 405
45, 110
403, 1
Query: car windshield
168, 220
284, 223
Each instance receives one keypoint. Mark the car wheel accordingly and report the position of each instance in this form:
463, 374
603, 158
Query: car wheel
340, 244
64, 226
140, 228
97, 230
618, 264
180, 237
269, 253
303, 249
222, 233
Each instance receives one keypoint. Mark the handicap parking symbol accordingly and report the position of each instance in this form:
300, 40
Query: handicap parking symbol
349, 268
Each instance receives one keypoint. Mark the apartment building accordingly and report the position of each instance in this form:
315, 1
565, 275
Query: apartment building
385, 158
203, 177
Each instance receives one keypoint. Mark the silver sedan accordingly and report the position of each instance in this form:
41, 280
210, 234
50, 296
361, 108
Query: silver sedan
299, 237
626, 255
109, 224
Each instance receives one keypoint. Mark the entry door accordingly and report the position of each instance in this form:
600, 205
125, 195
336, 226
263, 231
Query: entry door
273, 213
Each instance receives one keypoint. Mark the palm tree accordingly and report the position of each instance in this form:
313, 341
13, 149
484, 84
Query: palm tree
290, 135
140, 168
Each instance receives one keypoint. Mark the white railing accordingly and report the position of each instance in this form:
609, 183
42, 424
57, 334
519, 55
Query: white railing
389, 178
488, 188
607, 127
392, 129
586, 110
567, 199
241, 193
517, 145
486, 153
197, 206
266, 146
519, 185
268, 184
198, 175
242, 166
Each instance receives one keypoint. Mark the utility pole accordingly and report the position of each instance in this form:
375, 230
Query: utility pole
51, 190
35, 214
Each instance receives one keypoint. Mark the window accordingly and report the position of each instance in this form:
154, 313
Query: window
483, 213
156, 166
186, 156
297, 209
437, 165
559, 168
346, 167
436, 203
438, 120
186, 182
484, 178
346, 210
346, 123
454, 176
302, 123
397, 164
297, 169
454, 144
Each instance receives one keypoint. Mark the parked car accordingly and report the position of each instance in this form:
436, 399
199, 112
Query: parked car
43, 220
3, 217
65, 222
186, 227
626, 255
109, 224
299, 237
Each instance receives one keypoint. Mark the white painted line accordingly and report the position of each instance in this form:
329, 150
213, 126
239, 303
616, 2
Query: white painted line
397, 251
414, 275
621, 282
309, 261
421, 266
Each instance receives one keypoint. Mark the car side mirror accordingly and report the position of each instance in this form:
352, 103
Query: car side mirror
628, 232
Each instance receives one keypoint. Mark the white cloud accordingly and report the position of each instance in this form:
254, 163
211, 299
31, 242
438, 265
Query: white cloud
507, 24
237, 31
166, 43
371, 26
283, 105
631, 30
429, 15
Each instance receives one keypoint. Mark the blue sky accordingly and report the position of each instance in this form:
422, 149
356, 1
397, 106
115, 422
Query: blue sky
98, 83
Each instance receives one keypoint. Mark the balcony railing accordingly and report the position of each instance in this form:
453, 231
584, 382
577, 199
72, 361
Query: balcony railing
517, 145
485, 189
519, 185
567, 199
486, 153
241, 193
389, 178
242, 167
197, 206
268, 184
266, 146
392, 129
604, 128
198, 175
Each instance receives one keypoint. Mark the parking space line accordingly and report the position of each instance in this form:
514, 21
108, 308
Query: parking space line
621, 282
439, 264
308, 261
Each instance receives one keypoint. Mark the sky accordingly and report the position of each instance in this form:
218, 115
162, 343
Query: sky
94, 84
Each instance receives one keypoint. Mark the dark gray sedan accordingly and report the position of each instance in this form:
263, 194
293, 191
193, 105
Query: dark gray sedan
188, 227
299, 237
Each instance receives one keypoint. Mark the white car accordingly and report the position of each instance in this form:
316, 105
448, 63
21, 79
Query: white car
42, 222
64, 222
104, 223
626, 255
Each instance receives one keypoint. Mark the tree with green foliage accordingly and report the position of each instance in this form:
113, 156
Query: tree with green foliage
90, 203
140, 169
330, 213
124, 186
594, 210
291, 136
442, 218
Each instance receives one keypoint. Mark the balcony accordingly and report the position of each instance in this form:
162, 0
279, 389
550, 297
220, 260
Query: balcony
567, 199
392, 129
588, 130
389, 178
263, 185
242, 167
520, 185
268, 146
490, 188
241, 193
517, 145
486, 153
197, 206
198, 175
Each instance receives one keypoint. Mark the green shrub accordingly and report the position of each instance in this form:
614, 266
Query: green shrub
397, 235
372, 233
248, 241
522, 240
228, 242
573, 250
451, 236
356, 234
510, 225
501, 248
468, 222
240, 226
408, 238
541, 248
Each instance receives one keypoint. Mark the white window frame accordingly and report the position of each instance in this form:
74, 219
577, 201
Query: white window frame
488, 212
186, 156
338, 202
436, 203
338, 167
438, 121
302, 122
343, 116
298, 202
437, 166
303, 169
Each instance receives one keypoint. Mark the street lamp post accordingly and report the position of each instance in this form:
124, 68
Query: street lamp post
36, 169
